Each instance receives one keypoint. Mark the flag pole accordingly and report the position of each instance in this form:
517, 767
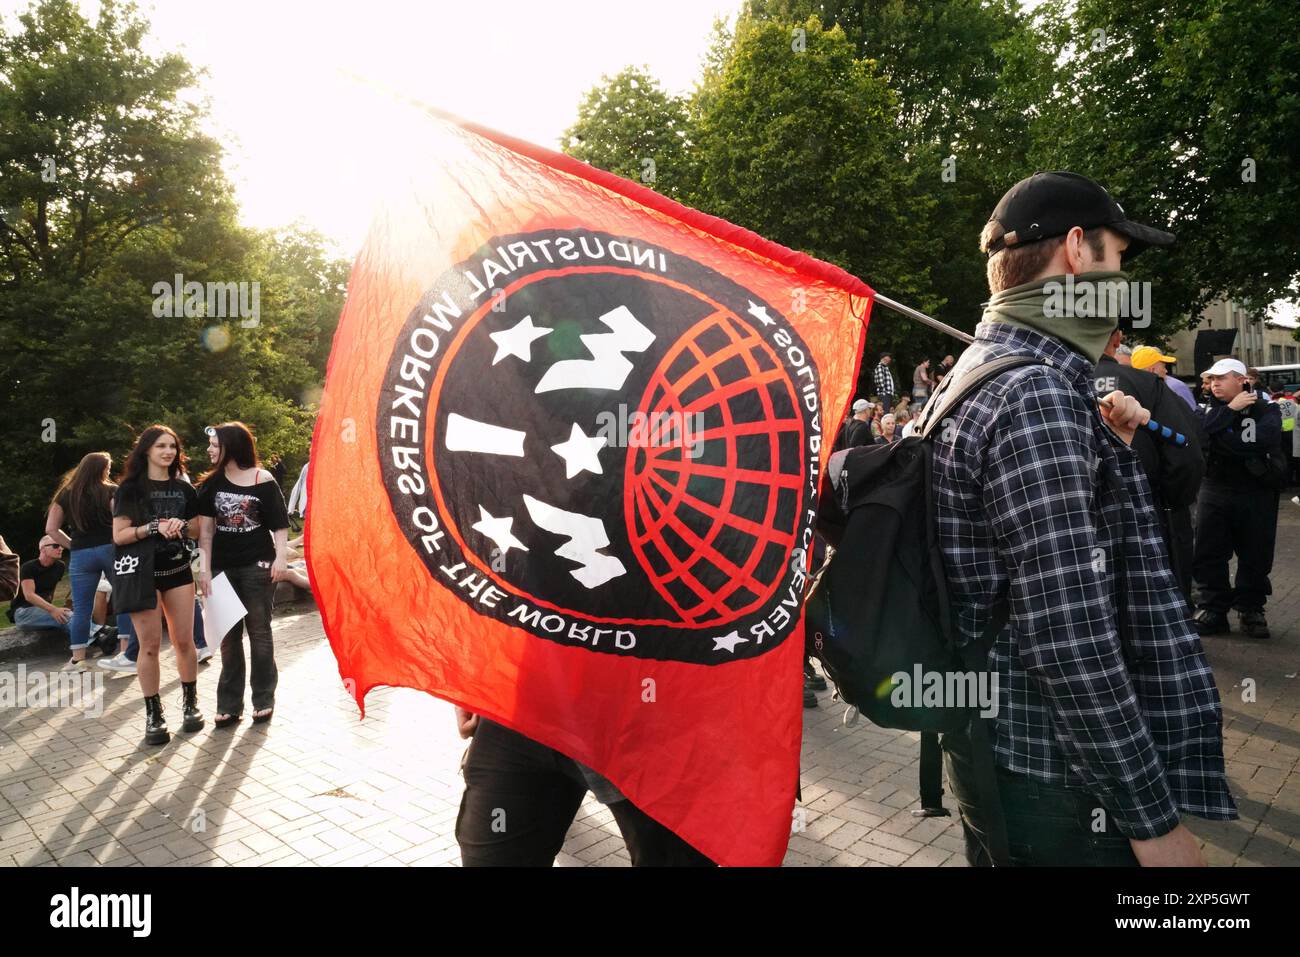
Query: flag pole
922, 317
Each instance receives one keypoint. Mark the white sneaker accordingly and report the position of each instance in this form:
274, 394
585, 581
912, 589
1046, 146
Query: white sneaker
74, 665
118, 663
204, 653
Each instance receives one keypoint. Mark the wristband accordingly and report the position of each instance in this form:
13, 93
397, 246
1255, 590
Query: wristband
153, 527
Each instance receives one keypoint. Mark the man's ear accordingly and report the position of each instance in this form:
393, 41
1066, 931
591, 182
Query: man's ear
1074, 251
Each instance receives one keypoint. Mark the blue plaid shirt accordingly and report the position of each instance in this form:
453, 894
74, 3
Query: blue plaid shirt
1037, 500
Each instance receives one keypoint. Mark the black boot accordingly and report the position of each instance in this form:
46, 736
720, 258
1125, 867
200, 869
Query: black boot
106, 640
1210, 623
1253, 624
155, 726
193, 717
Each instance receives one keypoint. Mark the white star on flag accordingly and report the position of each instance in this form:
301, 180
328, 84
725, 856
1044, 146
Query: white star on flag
498, 530
579, 452
728, 641
518, 340
760, 313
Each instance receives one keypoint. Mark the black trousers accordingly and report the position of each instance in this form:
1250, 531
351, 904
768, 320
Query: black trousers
1182, 547
521, 797
1234, 521
1047, 826
253, 585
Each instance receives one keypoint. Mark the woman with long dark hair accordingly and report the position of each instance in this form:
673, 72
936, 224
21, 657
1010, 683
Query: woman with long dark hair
83, 502
244, 534
154, 503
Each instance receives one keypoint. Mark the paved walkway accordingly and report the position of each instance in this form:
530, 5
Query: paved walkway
318, 786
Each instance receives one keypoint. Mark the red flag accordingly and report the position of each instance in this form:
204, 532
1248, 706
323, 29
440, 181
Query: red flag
566, 469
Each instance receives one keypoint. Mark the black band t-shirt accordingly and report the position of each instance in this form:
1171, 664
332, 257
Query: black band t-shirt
245, 516
170, 498
44, 577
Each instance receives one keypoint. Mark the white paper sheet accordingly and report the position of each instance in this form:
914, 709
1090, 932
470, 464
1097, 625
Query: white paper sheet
222, 610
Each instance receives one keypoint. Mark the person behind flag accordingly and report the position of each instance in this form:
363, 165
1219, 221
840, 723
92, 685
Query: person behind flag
1174, 471
1154, 361
888, 430
921, 382
883, 380
1045, 521
485, 551
244, 531
521, 797
153, 502
857, 430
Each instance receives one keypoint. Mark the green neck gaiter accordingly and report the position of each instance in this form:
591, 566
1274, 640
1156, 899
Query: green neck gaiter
1046, 306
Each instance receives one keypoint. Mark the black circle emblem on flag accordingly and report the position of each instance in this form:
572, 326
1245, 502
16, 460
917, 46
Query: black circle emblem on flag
605, 443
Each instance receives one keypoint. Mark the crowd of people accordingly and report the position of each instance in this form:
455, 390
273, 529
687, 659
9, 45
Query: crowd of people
144, 551
1216, 492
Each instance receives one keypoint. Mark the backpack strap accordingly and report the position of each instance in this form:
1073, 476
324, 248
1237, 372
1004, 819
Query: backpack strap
982, 760
949, 398
983, 763
931, 769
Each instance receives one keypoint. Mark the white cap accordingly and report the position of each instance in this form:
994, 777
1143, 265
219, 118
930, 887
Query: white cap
1224, 366
861, 405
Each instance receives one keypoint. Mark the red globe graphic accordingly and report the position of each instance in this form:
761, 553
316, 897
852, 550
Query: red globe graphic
712, 484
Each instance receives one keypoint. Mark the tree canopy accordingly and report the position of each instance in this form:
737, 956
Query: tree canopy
109, 188
880, 134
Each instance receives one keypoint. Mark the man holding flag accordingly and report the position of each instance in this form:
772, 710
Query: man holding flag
1108, 728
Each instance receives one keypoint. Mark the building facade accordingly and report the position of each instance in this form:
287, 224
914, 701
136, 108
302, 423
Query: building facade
1261, 341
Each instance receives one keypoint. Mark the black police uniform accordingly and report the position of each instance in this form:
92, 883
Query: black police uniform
1173, 471
1237, 512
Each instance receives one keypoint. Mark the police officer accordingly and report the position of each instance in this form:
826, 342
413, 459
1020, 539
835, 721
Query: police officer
1174, 471
1237, 512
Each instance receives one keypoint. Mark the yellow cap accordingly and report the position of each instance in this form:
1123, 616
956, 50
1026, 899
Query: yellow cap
1144, 357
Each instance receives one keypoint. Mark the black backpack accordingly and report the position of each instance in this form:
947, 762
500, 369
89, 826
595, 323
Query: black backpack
880, 608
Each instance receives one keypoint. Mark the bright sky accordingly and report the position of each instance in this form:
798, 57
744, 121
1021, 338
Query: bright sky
304, 141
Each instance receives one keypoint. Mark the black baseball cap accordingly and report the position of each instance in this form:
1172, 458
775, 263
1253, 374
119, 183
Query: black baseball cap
1051, 204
